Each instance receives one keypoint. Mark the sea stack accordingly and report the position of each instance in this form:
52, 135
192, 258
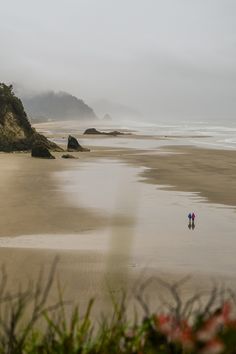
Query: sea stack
74, 145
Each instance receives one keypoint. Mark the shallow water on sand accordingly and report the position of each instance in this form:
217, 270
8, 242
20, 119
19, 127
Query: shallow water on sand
152, 223
148, 225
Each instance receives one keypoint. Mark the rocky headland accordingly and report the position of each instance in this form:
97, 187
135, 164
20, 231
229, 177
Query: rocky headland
16, 132
57, 106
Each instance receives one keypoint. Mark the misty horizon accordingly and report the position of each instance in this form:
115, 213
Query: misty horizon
163, 60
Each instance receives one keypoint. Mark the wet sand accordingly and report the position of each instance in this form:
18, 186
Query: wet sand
85, 275
30, 203
211, 173
208, 171
33, 204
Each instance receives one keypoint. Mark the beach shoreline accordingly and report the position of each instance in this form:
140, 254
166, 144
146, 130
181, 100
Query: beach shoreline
35, 205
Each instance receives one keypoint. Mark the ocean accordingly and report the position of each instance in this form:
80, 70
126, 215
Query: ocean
213, 135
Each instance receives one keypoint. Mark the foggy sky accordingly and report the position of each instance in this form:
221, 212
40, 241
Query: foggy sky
165, 58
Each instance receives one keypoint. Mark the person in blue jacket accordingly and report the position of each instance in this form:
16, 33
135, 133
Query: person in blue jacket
189, 221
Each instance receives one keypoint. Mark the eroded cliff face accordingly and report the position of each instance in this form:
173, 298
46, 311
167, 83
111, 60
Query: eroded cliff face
16, 132
11, 128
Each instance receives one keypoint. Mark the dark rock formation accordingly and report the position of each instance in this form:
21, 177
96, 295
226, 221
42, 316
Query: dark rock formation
41, 151
92, 131
68, 156
115, 133
16, 133
73, 145
97, 132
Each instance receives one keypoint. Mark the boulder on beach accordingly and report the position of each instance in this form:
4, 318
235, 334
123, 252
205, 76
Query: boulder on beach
68, 156
41, 151
97, 132
74, 145
92, 131
115, 133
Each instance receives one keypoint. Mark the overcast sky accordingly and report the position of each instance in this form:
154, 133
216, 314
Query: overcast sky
162, 57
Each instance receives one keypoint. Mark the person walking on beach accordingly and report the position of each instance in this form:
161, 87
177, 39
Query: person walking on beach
193, 219
189, 220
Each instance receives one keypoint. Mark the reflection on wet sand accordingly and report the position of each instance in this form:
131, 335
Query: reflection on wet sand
108, 225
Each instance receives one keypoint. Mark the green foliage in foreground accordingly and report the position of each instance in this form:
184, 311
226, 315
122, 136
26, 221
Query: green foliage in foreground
189, 327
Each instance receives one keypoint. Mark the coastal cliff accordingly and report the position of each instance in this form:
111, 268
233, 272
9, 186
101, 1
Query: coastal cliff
16, 133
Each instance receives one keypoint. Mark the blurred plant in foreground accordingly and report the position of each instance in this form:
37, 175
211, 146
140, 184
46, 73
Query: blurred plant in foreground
205, 323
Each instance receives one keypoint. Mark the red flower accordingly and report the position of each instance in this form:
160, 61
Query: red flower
175, 331
164, 323
215, 346
215, 323
226, 311
186, 337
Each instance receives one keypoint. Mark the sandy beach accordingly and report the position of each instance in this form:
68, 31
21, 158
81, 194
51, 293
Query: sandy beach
36, 208
32, 204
